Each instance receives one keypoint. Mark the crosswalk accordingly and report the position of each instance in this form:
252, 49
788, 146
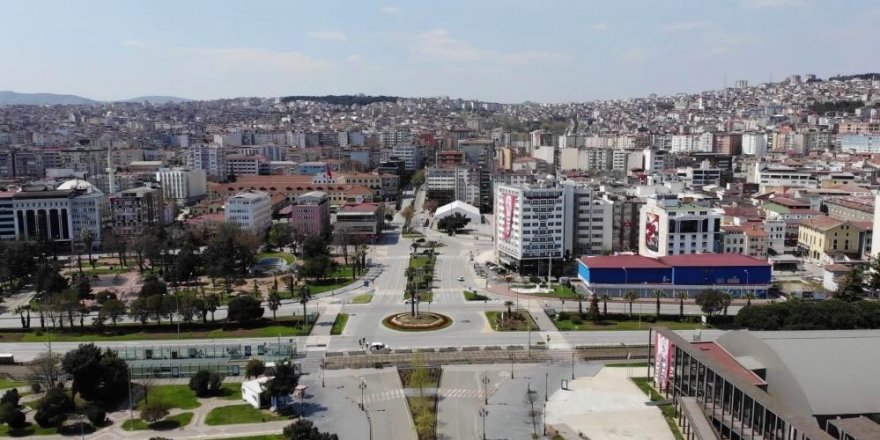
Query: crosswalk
445, 393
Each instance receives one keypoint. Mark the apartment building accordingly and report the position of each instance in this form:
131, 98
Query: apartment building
825, 240
751, 240
135, 210
182, 185
211, 158
362, 222
310, 215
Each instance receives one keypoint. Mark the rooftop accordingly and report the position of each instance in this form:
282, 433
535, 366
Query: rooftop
622, 261
713, 260
720, 355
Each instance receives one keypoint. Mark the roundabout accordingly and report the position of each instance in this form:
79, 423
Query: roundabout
423, 322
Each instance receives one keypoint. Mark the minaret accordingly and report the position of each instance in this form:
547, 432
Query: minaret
110, 170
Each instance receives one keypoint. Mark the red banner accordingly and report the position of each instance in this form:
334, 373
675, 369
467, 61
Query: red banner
509, 205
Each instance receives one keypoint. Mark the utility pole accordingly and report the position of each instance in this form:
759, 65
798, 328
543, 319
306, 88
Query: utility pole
485, 382
483, 413
362, 386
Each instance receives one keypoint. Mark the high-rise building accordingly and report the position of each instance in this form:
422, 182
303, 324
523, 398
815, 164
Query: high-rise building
135, 210
672, 226
310, 216
182, 185
211, 158
250, 210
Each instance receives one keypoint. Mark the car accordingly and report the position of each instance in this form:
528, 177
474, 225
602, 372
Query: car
375, 346
461, 278
409, 301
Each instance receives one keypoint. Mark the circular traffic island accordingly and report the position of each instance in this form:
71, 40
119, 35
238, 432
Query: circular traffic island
423, 322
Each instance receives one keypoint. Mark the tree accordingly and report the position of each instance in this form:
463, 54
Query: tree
407, 213
139, 311
254, 368
284, 382
750, 295
153, 286
451, 224
45, 369
11, 397
96, 415
605, 299
509, 304
206, 383
681, 295
315, 246
420, 376
112, 310
279, 235
657, 294
212, 302
580, 298
852, 288
244, 309
594, 308
631, 296
154, 411
710, 301
303, 429
53, 408
274, 302
305, 294
97, 376
113, 243
418, 178
317, 267
88, 240
25, 321
726, 300
12, 416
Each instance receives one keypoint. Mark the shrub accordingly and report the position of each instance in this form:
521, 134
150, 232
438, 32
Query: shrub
154, 411
11, 397
577, 320
36, 388
95, 414
12, 416
206, 383
563, 316
54, 408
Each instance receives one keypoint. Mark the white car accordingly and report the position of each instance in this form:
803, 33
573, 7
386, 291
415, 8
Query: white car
460, 278
375, 346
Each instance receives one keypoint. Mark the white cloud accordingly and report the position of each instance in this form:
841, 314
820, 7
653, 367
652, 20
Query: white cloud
259, 60
771, 3
599, 27
687, 25
328, 35
391, 10
134, 43
438, 45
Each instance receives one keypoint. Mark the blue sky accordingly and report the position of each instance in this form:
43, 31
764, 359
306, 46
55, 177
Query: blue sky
500, 50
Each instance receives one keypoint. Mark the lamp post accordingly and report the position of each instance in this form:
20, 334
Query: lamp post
625, 279
483, 413
546, 379
362, 386
323, 366
572, 365
485, 382
511, 365
747, 277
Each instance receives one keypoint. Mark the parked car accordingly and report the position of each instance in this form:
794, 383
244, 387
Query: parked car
461, 278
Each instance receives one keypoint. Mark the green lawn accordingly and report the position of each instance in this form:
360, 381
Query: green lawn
493, 317
230, 391
9, 383
168, 423
474, 296
587, 325
418, 261
559, 291
287, 257
365, 298
237, 414
173, 396
341, 277
31, 429
285, 326
339, 324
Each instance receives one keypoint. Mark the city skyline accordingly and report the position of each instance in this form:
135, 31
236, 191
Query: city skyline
498, 51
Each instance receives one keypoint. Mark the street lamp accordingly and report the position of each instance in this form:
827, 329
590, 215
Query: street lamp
511, 365
747, 277
485, 382
323, 366
362, 386
572, 365
483, 413
546, 379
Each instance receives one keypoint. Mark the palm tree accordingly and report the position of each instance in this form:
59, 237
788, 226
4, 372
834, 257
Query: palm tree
305, 294
605, 299
212, 301
749, 297
728, 298
681, 295
657, 294
274, 302
88, 239
580, 298
631, 297
509, 304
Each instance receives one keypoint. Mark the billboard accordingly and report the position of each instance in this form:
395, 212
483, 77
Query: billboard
509, 205
664, 360
652, 231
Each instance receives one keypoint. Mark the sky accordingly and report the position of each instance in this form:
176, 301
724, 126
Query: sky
496, 50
